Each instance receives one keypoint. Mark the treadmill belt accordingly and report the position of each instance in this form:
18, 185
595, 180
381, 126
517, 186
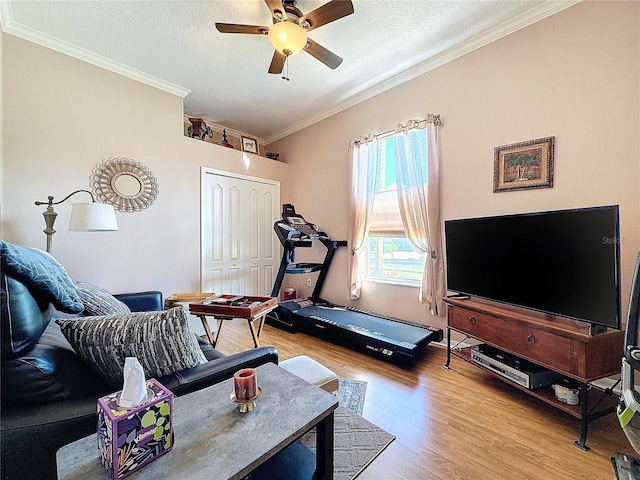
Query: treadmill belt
390, 331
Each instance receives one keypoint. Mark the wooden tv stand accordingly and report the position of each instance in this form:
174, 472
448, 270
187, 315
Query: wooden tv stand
559, 344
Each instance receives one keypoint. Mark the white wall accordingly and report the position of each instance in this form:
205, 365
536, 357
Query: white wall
574, 76
62, 117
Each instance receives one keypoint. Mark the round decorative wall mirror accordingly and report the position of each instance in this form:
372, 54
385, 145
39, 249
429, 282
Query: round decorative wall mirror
124, 183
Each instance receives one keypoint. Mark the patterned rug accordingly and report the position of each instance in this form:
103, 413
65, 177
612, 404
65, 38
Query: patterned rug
351, 394
357, 441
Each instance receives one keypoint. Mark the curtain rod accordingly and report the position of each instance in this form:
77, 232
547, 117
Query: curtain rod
435, 119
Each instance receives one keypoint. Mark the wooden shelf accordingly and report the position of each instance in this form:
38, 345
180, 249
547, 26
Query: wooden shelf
598, 398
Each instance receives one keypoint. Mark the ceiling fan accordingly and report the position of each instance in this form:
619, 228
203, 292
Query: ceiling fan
288, 34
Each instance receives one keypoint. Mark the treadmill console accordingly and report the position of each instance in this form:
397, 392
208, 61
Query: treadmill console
293, 225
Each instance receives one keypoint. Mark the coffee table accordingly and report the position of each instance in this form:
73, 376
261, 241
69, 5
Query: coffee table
214, 440
223, 307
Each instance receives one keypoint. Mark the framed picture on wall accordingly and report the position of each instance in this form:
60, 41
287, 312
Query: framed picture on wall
523, 165
249, 144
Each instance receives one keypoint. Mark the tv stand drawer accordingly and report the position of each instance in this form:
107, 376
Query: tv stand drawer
532, 344
559, 344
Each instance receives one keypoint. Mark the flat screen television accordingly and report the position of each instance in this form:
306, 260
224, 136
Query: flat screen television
563, 262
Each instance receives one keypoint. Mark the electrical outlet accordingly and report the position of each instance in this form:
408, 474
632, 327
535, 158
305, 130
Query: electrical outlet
308, 282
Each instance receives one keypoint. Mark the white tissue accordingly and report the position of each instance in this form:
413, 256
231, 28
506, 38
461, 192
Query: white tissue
134, 390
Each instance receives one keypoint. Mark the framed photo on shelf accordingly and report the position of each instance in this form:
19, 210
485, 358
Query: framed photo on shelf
523, 165
249, 144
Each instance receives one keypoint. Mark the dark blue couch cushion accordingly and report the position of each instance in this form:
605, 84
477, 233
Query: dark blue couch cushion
142, 301
50, 372
22, 317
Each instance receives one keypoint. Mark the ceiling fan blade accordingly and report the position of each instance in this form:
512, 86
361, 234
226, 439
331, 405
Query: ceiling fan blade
277, 63
327, 13
277, 9
327, 57
235, 28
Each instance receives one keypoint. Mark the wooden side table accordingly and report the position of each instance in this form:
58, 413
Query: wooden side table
227, 307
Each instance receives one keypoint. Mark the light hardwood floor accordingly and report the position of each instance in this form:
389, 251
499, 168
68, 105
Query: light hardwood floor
454, 424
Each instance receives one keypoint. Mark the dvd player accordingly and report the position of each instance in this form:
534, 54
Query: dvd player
522, 372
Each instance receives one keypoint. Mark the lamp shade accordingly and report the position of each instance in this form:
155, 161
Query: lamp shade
92, 217
287, 38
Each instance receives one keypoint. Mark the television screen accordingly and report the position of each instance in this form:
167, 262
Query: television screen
563, 262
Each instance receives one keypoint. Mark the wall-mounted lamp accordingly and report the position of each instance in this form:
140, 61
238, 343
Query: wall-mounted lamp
85, 217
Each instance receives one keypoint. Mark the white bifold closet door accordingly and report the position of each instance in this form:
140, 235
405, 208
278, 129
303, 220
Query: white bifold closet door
240, 250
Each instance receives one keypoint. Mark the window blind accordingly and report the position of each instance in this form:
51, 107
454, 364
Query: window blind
385, 219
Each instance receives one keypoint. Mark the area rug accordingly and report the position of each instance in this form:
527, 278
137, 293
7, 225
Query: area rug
351, 394
357, 442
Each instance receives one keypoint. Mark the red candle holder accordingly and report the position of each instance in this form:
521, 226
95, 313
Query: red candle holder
246, 390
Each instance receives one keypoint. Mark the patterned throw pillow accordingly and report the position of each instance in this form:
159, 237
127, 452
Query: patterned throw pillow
42, 275
162, 341
98, 301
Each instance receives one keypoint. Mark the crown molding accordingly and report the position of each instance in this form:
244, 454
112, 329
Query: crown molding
11, 27
551, 7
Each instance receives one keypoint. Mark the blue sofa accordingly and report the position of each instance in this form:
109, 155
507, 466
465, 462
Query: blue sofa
49, 393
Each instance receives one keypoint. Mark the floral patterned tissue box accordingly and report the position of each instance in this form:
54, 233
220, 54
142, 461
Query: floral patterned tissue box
129, 438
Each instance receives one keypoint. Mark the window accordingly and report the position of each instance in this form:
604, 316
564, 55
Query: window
391, 256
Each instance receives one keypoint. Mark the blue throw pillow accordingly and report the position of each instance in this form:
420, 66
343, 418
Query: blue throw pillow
42, 275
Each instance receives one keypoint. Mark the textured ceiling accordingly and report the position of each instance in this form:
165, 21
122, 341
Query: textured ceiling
175, 44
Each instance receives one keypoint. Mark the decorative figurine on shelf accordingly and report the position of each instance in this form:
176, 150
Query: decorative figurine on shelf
199, 129
225, 141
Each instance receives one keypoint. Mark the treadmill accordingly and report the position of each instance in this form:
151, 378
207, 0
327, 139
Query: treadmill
391, 339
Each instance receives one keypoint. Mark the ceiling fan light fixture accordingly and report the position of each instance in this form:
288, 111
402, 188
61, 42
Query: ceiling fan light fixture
287, 38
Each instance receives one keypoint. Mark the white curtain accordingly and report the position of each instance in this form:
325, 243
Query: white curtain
417, 176
364, 167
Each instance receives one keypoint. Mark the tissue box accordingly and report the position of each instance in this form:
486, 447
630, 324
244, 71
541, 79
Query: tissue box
129, 438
